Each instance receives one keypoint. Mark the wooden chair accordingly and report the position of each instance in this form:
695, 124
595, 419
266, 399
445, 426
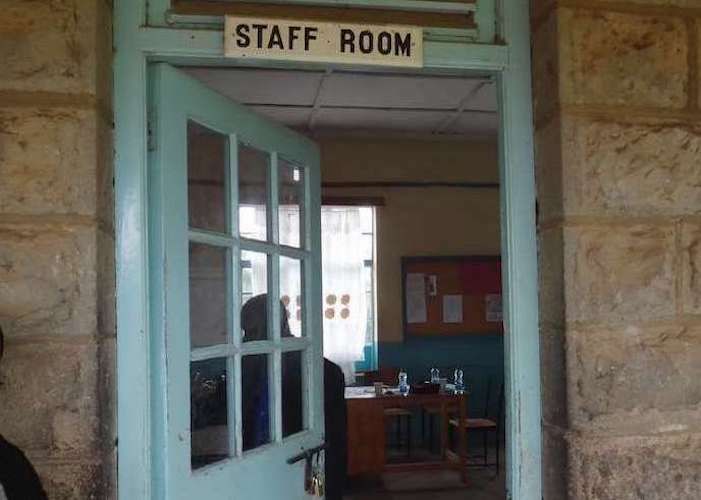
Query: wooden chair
429, 414
486, 425
390, 376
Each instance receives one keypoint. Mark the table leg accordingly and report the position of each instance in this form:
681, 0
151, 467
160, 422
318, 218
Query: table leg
444, 429
462, 440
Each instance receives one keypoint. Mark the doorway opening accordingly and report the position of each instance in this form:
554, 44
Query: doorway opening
410, 261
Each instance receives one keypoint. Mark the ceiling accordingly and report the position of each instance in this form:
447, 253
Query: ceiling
325, 101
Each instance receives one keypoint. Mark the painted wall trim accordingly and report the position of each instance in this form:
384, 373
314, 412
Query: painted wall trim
136, 44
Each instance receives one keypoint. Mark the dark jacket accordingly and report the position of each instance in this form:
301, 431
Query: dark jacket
335, 420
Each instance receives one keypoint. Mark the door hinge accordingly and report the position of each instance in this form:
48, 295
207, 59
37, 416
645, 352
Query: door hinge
151, 129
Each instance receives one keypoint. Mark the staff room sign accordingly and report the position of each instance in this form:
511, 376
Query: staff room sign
313, 41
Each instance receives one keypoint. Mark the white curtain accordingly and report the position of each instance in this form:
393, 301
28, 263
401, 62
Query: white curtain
344, 307
344, 300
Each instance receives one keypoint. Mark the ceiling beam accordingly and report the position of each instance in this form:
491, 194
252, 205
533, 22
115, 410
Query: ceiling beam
317, 99
462, 107
366, 108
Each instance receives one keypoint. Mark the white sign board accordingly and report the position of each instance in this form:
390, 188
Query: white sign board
314, 41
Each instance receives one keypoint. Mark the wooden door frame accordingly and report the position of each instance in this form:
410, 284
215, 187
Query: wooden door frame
137, 43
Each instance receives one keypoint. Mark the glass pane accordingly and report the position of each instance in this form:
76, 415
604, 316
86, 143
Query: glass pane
292, 397
254, 289
291, 198
208, 412
209, 295
256, 396
291, 297
253, 192
366, 246
207, 167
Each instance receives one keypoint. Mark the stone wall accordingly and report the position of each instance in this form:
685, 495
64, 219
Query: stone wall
618, 160
57, 241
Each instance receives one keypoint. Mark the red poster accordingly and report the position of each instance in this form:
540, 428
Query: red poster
481, 277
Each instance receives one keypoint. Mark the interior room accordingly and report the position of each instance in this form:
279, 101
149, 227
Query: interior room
410, 260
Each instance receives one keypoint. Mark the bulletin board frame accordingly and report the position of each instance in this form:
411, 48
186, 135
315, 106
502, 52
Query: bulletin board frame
449, 272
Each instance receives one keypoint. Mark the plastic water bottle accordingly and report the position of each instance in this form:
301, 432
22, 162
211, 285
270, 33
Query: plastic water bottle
459, 382
435, 375
403, 383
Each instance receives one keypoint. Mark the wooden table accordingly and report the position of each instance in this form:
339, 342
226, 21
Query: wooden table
366, 431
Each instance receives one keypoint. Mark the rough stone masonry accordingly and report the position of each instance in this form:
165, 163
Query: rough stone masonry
618, 160
57, 242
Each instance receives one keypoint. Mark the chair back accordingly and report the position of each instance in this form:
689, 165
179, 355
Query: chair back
488, 401
387, 375
500, 407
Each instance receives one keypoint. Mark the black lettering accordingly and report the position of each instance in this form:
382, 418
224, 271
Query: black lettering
402, 47
384, 43
309, 35
365, 42
347, 39
275, 38
243, 39
259, 28
292, 36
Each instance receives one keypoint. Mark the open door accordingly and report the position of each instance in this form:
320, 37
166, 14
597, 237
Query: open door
235, 280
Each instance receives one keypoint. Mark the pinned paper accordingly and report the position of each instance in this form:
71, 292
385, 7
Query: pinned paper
452, 308
493, 308
415, 298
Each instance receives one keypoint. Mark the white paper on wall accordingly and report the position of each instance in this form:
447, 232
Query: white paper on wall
452, 308
415, 298
493, 309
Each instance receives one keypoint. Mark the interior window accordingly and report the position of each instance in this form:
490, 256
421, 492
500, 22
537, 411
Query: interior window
348, 275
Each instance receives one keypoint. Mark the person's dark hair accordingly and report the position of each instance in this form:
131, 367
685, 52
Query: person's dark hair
254, 318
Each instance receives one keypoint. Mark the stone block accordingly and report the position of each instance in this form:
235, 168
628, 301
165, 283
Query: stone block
105, 175
545, 68
71, 481
48, 395
48, 161
632, 169
107, 391
623, 59
107, 394
549, 171
649, 372
554, 464
649, 468
48, 280
106, 284
551, 276
691, 268
553, 376
49, 46
619, 272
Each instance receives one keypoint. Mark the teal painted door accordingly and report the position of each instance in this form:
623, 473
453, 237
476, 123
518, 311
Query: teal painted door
234, 280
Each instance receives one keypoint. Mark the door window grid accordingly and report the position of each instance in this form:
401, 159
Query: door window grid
234, 349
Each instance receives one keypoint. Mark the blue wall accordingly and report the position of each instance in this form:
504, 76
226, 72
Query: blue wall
480, 356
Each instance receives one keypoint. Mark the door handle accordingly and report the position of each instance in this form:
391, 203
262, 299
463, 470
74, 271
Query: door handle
307, 454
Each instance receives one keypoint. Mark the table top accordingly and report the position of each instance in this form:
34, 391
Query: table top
392, 393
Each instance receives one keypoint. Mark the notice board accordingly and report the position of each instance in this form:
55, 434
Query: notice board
454, 295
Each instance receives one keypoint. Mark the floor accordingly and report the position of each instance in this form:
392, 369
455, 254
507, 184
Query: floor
444, 485
483, 484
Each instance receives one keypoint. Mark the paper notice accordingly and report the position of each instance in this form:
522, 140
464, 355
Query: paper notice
492, 306
452, 308
415, 298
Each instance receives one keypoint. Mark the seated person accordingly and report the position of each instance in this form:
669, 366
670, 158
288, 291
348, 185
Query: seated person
256, 430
